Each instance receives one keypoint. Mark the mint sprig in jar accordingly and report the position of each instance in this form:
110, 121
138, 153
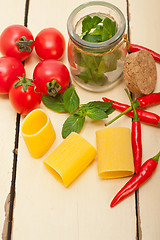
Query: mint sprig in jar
97, 45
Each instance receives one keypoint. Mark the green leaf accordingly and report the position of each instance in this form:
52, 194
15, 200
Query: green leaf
54, 103
98, 30
87, 61
110, 110
104, 106
96, 20
88, 23
85, 75
71, 100
109, 28
92, 38
74, 123
90, 75
96, 113
105, 35
108, 63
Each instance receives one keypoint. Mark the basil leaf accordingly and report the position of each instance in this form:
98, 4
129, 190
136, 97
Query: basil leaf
74, 123
96, 114
71, 100
54, 103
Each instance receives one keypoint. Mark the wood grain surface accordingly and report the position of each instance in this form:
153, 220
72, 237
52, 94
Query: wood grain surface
37, 206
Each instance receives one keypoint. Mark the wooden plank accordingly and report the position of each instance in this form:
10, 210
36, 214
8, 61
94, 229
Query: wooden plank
10, 12
144, 24
44, 209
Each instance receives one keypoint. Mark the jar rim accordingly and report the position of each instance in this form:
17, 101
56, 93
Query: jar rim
109, 43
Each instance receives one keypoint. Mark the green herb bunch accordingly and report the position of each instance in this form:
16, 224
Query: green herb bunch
69, 103
96, 29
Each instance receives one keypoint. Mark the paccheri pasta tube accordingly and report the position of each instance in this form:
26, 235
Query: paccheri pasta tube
38, 133
70, 158
114, 152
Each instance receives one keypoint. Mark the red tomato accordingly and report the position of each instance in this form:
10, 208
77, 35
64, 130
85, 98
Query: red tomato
50, 43
24, 95
16, 41
10, 68
46, 72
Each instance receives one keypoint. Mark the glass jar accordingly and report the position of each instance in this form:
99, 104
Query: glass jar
96, 66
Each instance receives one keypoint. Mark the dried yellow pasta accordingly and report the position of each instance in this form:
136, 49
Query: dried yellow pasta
70, 158
114, 152
38, 133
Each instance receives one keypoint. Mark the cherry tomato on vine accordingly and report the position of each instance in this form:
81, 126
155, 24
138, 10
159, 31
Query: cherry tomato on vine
16, 41
10, 68
50, 43
24, 95
52, 77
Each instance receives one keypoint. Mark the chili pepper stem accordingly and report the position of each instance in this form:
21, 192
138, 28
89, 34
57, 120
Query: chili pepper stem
156, 157
135, 118
136, 104
117, 117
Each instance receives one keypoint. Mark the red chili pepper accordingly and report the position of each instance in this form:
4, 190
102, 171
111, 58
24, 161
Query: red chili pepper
136, 138
144, 116
136, 48
137, 180
148, 100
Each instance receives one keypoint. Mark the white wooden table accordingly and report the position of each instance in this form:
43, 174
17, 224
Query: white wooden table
43, 208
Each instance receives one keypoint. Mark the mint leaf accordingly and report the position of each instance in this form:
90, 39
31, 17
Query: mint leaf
85, 75
109, 62
98, 30
109, 28
54, 103
71, 100
92, 76
105, 35
92, 38
104, 106
88, 23
74, 123
96, 20
97, 109
96, 113
110, 110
